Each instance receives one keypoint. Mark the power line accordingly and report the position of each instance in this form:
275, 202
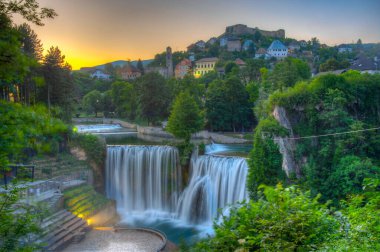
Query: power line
333, 134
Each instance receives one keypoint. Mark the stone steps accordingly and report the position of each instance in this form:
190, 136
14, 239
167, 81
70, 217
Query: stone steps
62, 228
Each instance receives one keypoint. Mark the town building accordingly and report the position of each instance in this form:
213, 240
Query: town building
204, 66
129, 72
169, 62
303, 43
234, 45
183, 68
293, 47
261, 53
240, 63
278, 50
344, 49
247, 45
99, 74
163, 71
365, 65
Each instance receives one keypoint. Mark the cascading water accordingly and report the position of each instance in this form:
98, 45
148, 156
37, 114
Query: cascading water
149, 179
143, 178
215, 183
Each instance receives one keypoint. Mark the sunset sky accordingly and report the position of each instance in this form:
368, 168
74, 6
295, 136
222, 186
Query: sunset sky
92, 32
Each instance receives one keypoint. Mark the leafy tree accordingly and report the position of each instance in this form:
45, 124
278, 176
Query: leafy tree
286, 73
153, 96
282, 219
59, 83
32, 48
251, 72
93, 102
18, 227
227, 105
110, 69
124, 97
265, 159
332, 64
13, 63
185, 117
27, 128
28, 9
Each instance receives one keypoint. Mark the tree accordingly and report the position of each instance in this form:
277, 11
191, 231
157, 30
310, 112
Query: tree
17, 227
93, 102
286, 73
282, 219
28, 9
227, 105
265, 159
32, 48
124, 97
153, 96
140, 66
332, 64
185, 117
13, 63
59, 83
110, 69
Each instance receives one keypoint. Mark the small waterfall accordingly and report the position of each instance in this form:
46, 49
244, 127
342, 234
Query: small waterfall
215, 183
143, 178
149, 179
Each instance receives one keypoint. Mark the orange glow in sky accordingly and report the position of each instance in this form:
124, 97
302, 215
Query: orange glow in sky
93, 32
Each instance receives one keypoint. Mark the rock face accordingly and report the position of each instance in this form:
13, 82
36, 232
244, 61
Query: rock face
287, 146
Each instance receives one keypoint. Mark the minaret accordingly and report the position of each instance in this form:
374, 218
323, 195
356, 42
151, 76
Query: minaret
169, 62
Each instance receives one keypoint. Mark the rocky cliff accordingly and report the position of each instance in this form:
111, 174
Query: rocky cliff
287, 145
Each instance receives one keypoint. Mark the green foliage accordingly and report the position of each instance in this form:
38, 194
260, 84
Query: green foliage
335, 165
332, 64
93, 102
287, 73
19, 223
124, 98
265, 159
227, 105
24, 128
93, 146
185, 117
59, 83
153, 97
28, 9
280, 220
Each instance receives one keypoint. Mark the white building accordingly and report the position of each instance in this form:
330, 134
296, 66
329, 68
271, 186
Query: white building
98, 74
277, 50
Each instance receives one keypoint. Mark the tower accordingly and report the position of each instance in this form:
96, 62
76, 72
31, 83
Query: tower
169, 61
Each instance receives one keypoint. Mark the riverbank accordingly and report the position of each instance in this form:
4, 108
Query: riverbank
160, 132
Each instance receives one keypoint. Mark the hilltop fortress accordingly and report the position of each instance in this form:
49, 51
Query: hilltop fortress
241, 29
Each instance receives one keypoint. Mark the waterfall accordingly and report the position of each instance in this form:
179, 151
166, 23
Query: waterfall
143, 178
215, 182
149, 178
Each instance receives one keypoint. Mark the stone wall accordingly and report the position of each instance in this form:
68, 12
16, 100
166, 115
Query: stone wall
240, 29
218, 138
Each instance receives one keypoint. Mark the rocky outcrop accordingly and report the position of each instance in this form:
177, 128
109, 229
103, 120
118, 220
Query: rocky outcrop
96, 177
287, 145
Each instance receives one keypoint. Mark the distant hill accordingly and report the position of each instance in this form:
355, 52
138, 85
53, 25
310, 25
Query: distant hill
118, 63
